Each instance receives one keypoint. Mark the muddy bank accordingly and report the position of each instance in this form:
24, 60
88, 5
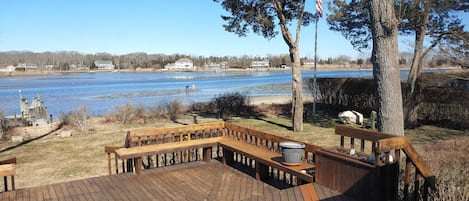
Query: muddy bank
443, 98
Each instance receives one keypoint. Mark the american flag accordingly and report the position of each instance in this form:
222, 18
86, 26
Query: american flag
319, 7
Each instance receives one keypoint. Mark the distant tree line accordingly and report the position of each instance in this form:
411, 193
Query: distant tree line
63, 60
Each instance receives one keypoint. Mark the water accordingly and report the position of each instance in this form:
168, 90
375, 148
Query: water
101, 92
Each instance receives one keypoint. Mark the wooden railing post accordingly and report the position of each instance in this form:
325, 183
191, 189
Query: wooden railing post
5, 183
342, 141
207, 154
227, 157
417, 185
261, 171
109, 162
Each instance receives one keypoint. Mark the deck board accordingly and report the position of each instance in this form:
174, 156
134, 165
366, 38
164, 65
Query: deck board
189, 181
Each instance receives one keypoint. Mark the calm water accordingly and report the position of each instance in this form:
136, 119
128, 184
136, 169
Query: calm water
101, 92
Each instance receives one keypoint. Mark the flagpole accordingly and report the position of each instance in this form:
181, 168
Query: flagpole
315, 63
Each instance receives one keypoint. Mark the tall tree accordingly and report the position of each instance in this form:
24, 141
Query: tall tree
262, 17
384, 57
425, 19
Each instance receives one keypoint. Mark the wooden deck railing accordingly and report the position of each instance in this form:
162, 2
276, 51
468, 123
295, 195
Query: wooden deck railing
151, 136
269, 142
266, 140
386, 150
8, 168
375, 153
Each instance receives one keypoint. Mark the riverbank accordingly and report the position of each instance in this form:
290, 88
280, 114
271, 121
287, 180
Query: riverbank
258, 100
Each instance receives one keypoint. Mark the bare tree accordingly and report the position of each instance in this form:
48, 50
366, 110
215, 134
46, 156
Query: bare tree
78, 119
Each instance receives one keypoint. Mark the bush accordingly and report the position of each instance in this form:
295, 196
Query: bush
157, 111
175, 109
124, 114
77, 119
231, 104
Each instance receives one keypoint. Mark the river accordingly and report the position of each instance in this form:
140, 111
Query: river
102, 92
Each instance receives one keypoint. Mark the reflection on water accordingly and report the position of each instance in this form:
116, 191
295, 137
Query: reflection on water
101, 92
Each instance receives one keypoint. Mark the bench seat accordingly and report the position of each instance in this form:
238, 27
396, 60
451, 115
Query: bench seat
268, 158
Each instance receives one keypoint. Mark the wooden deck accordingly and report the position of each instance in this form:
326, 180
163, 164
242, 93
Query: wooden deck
188, 181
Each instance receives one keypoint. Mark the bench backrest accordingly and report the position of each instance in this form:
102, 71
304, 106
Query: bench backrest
173, 134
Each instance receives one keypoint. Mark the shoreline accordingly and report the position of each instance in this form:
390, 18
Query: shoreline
320, 69
276, 99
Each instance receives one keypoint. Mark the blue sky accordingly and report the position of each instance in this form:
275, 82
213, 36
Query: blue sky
153, 26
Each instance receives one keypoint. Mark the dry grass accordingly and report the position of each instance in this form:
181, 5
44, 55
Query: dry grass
54, 159
449, 162
322, 136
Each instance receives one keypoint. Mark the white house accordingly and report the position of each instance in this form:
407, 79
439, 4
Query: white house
260, 64
181, 64
104, 65
9, 68
307, 61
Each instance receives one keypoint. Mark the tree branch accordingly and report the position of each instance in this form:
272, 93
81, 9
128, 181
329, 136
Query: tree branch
283, 24
300, 21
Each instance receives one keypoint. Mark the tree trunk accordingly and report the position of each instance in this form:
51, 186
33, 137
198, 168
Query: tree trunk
297, 90
410, 97
410, 109
420, 32
293, 44
386, 67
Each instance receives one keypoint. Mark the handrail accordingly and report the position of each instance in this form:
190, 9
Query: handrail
268, 136
400, 142
364, 134
386, 144
419, 164
8, 161
175, 129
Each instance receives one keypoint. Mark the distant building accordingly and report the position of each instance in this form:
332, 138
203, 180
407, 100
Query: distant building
79, 67
49, 67
307, 61
104, 65
181, 64
9, 68
221, 65
260, 64
28, 67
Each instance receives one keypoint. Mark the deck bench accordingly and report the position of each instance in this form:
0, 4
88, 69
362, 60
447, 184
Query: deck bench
263, 159
136, 153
